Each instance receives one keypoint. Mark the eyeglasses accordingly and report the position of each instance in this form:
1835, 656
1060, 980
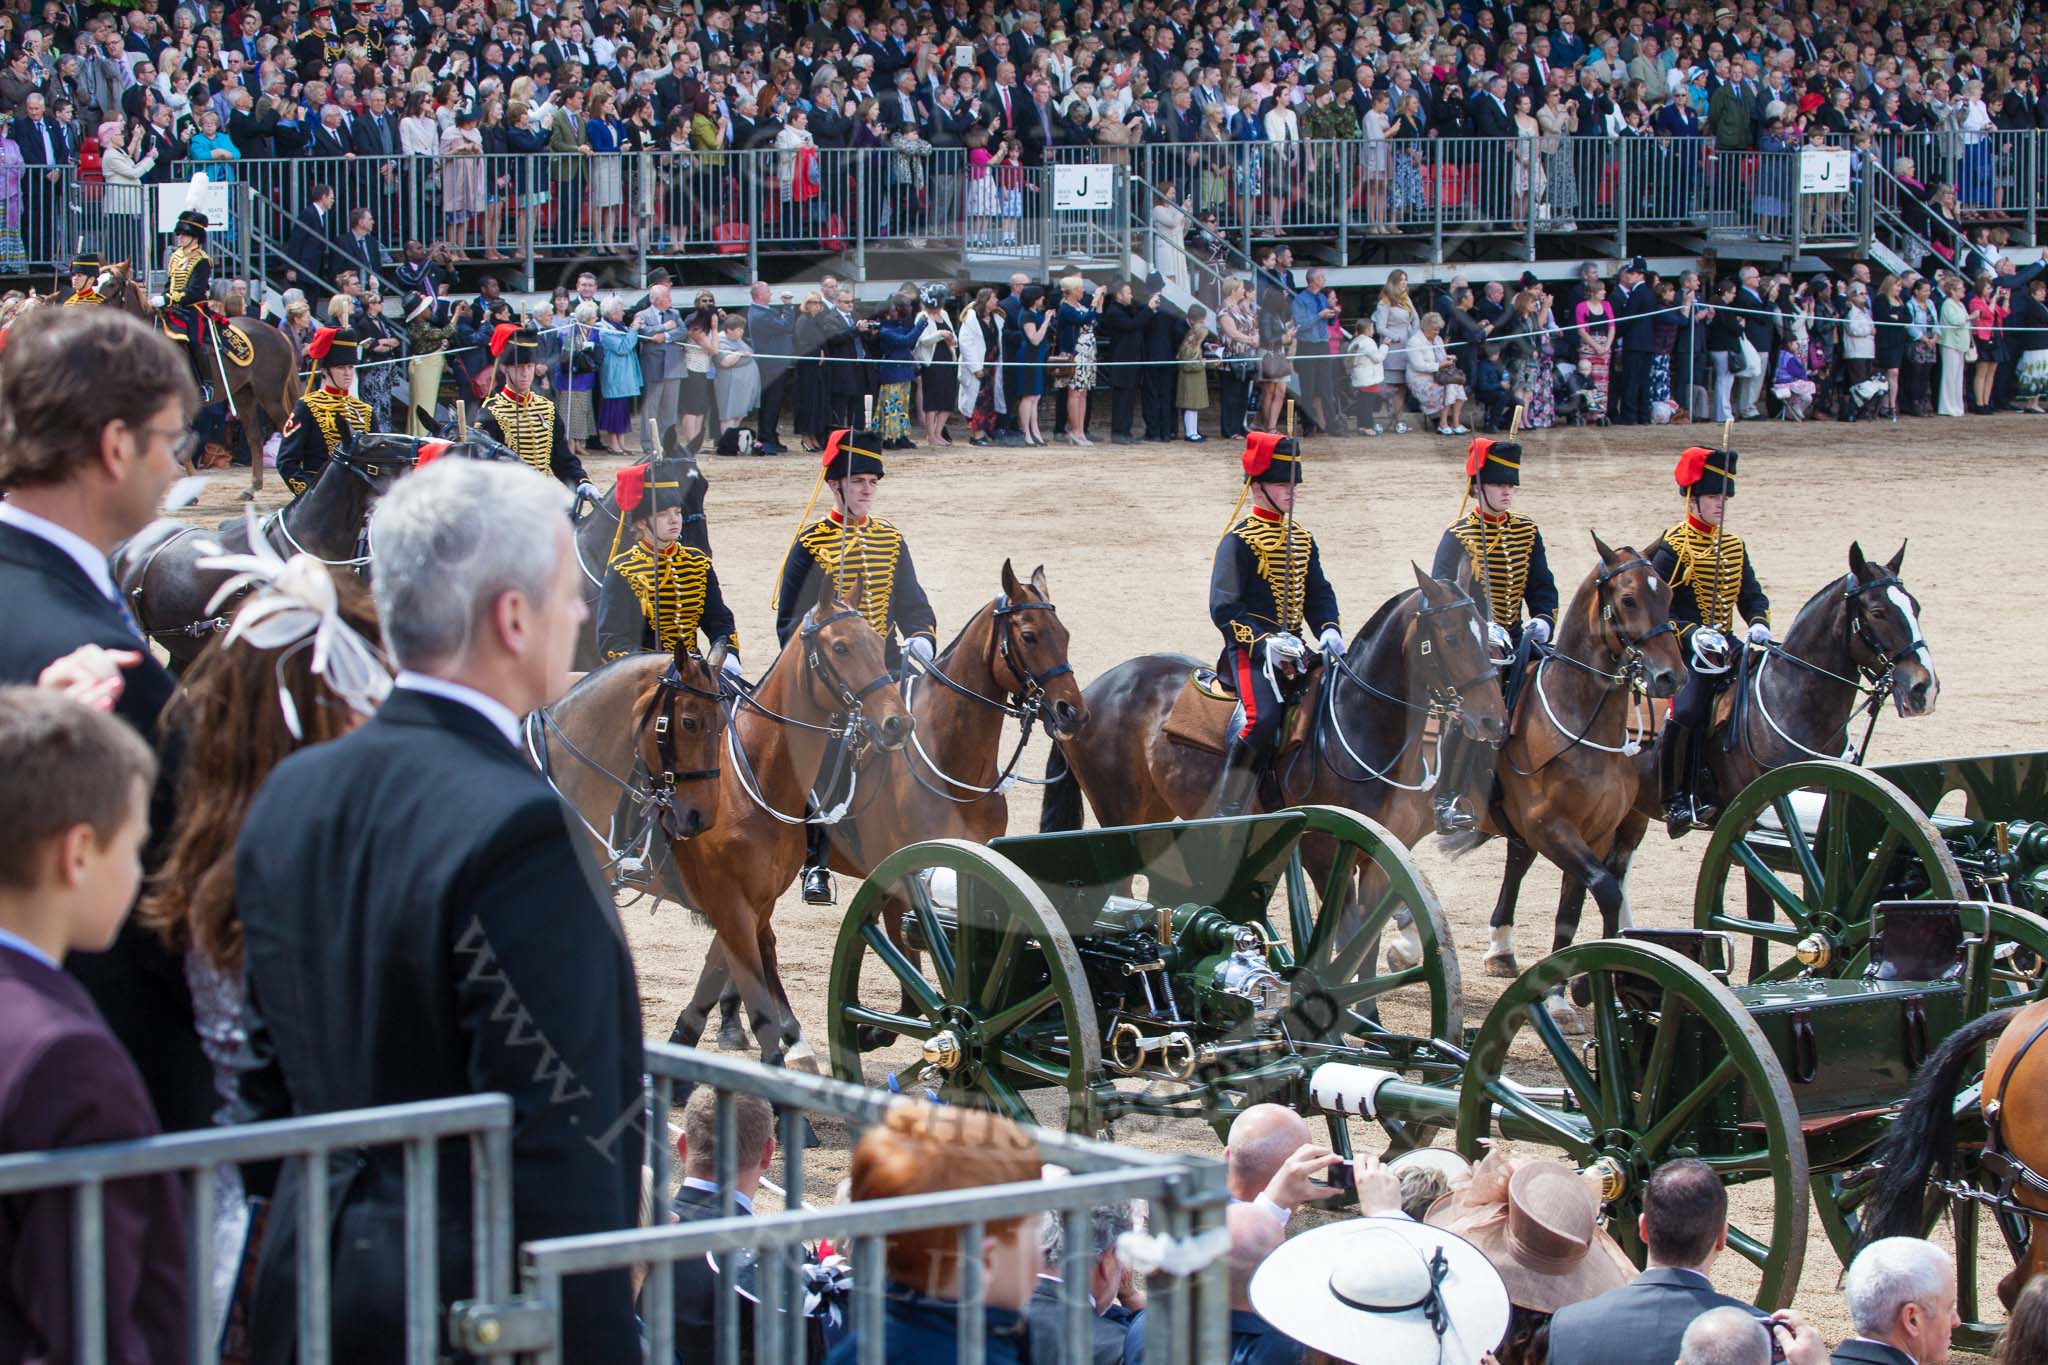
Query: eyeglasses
182, 441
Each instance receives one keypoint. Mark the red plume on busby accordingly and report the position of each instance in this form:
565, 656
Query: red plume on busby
631, 487
1475, 455
322, 343
1692, 462
501, 337
1258, 452
832, 447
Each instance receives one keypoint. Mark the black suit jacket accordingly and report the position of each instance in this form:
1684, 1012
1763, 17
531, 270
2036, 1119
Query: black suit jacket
374, 136
138, 984
306, 248
1643, 1320
419, 923
696, 1290
1856, 1351
334, 142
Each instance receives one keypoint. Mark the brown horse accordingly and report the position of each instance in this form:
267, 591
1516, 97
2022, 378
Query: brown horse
831, 680
1856, 638
261, 394
1922, 1144
1567, 778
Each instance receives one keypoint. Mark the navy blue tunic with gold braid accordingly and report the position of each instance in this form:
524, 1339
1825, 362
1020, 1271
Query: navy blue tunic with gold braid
829, 551
1258, 587
1509, 566
1711, 579
654, 599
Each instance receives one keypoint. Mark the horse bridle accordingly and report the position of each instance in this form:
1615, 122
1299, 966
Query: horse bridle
818, 663
1859, 631
1450, 696
1631, 650
667, 688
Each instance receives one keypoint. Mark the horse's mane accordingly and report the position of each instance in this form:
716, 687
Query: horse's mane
1386, 610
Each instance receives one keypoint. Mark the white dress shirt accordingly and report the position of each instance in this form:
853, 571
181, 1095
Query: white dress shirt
81, 551
490, 708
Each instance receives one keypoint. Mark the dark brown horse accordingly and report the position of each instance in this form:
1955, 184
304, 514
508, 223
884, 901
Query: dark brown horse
1854, 642
168, 592
830, 681
1567, 774
261, 393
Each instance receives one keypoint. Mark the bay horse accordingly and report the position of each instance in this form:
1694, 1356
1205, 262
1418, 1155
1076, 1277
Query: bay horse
831, 680
158, 567
1008, 662
261, 394
1567, 774
599, 536
1856, 641
1922, 1145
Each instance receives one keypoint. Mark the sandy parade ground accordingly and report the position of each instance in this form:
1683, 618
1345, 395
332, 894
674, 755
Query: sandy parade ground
1126, 535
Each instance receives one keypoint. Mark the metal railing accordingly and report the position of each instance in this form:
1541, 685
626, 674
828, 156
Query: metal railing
768, 202
485, 1120
1187, 1318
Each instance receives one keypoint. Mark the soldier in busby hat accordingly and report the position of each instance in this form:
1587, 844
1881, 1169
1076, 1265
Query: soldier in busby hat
846, 545
188, 286
524, 420
1711, 577
1509, 571
1266, 583
86, 270
327, 417
659, 591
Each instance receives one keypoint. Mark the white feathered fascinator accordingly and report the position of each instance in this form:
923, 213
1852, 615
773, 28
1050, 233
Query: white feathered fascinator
295, 607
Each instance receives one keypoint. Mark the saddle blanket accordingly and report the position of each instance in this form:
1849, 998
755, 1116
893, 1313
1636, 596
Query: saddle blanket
1206, 712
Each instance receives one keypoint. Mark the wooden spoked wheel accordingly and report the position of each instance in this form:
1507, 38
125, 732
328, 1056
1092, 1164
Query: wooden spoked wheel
998, 1003
1675, 1068
1817, 845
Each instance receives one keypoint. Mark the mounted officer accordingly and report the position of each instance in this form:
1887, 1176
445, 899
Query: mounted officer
849, 543
1711, 576
1509, 570
325, 419
185, 295
86, 269
1268, 575
658, 591
524, 420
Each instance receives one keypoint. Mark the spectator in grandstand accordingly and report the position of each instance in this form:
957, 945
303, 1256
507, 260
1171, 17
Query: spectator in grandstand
461, 898
1684, 1224
697, 1285
85, 465
74, 796
925, 1150
1108, 1319
1901, 1295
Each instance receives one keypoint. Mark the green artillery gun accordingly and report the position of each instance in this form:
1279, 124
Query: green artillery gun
1105, 979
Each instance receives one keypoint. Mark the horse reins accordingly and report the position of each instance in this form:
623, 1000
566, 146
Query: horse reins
1878, 674
1628, 676
2010, 1170
1025, 703
1446, 700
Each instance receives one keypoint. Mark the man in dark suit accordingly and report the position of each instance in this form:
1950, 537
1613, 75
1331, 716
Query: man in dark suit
1759, 327
841, 326
772, 332
420, 921
306, 247
1901, 1293
361, 250
1684, 1224
85, 465
44, 149
696, 1283
1109, 1320
1635, 308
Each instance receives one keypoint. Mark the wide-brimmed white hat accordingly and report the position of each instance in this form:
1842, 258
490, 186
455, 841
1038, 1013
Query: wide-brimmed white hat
1386, 1290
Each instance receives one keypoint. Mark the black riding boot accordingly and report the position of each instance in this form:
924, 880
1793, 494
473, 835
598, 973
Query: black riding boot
817, 874
1674, 779
1455, 804
1240, 778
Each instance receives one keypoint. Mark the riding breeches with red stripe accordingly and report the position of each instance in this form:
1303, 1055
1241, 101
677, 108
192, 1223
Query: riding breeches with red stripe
1262, 705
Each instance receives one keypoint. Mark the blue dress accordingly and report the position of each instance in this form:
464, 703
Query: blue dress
1030, 358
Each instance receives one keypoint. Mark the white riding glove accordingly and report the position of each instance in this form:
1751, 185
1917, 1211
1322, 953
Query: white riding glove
1759, 633
731, 665
919, 647
587, 489
1332, 642
1538, 629
156, 300
1710, 648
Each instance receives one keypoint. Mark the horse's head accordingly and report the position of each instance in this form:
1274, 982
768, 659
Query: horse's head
377, 458
1030, 645
476, 445
679, 736
844, 656
1461, 673
1634, 618
1884, 631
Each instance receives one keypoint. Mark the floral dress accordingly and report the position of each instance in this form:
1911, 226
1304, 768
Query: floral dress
1541, 410
1408, 187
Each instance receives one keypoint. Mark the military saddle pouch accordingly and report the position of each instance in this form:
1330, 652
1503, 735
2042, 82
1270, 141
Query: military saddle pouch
1207, 713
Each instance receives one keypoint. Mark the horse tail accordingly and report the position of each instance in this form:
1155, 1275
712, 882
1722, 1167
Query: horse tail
1062, 810
1921, 1142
